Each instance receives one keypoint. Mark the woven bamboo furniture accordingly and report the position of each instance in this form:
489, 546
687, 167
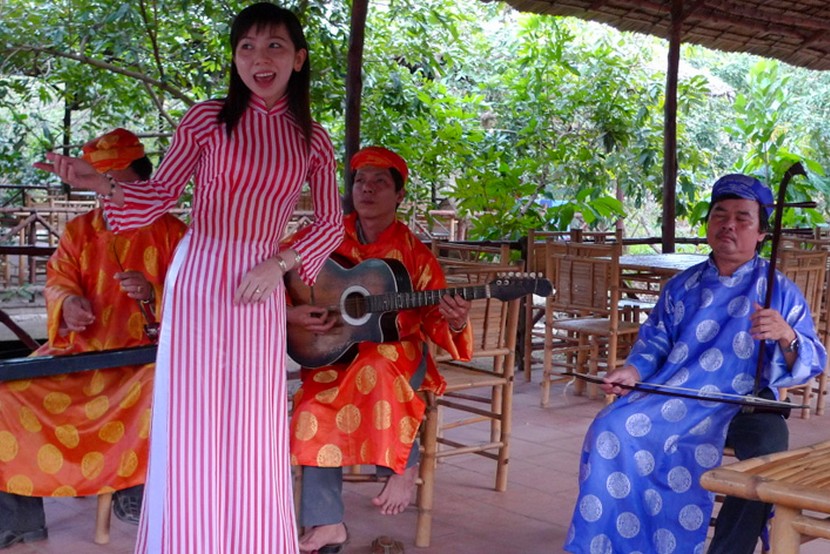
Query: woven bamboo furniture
797, 483
585, 329
479, 393
808, 270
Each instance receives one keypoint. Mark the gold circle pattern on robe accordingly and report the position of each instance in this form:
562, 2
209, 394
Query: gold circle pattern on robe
81, 433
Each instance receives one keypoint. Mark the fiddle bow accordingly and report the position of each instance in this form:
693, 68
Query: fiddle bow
751, 402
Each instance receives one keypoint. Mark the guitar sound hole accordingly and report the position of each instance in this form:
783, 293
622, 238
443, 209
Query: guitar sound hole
355, 305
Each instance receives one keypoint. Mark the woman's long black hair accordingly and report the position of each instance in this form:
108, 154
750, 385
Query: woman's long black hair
263, 15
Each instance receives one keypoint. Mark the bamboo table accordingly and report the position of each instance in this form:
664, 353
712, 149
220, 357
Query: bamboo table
664, 265
642, 276
795, 481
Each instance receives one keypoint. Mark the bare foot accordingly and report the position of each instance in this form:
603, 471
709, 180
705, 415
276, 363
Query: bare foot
322, 535
397, 493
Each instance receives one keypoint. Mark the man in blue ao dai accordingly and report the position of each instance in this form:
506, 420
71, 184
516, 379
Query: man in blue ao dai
644, 454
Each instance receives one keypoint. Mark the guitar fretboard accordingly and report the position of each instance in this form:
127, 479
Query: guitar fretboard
416, 299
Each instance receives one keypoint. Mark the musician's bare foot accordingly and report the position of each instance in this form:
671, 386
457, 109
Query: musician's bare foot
397, 493
322, 535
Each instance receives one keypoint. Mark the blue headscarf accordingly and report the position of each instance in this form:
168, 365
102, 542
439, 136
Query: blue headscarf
743, 186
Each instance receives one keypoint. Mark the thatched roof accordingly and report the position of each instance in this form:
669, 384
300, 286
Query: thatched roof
794, 31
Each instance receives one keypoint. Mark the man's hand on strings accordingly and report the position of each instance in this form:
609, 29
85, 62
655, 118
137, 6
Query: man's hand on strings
75, 171
135, 284
455, 310
626, 375
76, 313
313, 318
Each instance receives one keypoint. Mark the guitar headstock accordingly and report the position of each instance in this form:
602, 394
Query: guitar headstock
509, 286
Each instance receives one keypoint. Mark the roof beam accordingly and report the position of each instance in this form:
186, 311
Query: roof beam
740, 14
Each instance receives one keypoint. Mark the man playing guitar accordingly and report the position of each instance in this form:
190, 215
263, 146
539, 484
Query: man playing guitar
364, 410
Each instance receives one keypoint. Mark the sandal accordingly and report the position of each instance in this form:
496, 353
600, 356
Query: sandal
387, 545
334, 547
126, 504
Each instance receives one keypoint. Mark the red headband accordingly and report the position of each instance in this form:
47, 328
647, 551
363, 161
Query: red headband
377, 156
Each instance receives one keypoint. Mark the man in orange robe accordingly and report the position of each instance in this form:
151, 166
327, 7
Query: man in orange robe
365, 411
86, 433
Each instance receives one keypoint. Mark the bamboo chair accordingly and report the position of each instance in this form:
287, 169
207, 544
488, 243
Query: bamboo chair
820, 389
821, 241
584, 323
533, 339
533, 311
455, 256
599, 237
465, 264
808, 270
103, 518
478, 392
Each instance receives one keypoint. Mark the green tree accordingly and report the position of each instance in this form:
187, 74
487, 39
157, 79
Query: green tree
86, 65
772, 142
519, 121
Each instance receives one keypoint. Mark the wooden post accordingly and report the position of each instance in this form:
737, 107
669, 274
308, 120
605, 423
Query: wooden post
783, 536
102, 518
670, 128
354, 91
426, 491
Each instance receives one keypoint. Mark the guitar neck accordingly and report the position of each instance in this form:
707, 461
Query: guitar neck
406, 300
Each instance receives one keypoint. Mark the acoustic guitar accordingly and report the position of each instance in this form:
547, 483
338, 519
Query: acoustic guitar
366, 299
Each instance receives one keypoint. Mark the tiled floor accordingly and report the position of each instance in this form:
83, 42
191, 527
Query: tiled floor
469, 517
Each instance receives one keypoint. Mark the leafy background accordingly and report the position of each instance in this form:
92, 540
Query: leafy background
517, 121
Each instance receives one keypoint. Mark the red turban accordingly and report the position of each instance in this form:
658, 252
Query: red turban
114, 150
377, 156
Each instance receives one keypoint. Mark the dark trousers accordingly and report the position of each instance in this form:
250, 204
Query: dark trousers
21, 514
740, 522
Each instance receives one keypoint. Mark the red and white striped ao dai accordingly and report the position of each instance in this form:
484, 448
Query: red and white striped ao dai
219, 478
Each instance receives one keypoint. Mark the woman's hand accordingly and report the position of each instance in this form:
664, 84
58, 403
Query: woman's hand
77, 172
258, 284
